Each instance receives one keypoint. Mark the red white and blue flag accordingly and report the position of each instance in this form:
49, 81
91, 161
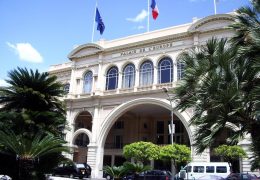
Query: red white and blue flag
155, 10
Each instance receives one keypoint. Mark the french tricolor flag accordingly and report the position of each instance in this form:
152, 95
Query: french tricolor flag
155, 10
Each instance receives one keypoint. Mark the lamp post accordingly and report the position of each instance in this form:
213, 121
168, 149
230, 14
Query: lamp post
171, 128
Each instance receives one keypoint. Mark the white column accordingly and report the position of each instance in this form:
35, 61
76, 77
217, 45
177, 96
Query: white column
119, 85
155, 77
137, 75
175, 71
100, 85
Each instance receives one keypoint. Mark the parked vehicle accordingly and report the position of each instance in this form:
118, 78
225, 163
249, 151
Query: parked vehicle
152, 175
241, 176
5, 177
72, 170
195, 170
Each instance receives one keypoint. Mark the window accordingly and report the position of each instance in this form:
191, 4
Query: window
129, 76
112, 78
66, 88
82, 140
118, 142
188, 168
88, 82
198, 169
180, 70
221, 169
165, 71
160, 127
119, 125
210, 169
146, 73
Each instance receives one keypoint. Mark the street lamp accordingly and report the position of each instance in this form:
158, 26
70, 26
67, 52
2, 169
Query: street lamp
170, 99
172, 128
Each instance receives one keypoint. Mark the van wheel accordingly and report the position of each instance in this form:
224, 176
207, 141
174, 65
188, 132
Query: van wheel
71, 176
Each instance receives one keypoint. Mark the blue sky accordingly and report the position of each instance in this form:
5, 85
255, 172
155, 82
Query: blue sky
38, 33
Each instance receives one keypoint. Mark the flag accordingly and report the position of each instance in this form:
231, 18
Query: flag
155, 10
100, 24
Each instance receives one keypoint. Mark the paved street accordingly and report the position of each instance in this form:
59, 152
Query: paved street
65, 178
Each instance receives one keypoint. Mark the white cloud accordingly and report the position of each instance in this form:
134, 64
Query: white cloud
140, 27
139, 17
26, 52
3, 83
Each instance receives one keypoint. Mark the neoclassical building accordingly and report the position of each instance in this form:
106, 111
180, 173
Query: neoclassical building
115, 93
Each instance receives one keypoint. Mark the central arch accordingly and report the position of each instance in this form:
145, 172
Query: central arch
120, 110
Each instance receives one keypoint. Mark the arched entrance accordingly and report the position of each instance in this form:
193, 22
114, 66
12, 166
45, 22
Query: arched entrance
82, 136
144, 119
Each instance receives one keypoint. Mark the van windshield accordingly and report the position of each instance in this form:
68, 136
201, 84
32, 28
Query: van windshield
187, 168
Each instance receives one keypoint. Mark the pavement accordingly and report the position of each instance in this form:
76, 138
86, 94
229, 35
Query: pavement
65, 178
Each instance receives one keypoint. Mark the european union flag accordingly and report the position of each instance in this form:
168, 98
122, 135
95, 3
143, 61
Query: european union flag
100, 24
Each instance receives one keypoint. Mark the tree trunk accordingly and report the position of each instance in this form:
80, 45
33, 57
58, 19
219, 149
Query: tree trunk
255, 136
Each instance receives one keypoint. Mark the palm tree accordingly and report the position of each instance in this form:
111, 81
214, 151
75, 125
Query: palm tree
29, 152
31, 90
33, 99
213, 85
117, 172
247, 38
136, 168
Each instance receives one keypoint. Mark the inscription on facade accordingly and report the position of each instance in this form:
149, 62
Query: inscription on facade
147, 49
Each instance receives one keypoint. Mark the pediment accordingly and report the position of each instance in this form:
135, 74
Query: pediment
211, 23
85, 50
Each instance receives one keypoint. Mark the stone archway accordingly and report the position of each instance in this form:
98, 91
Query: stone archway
118, 111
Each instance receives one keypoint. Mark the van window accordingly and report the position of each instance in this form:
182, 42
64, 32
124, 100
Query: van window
187, 168
210, 169
221, 169
198, 169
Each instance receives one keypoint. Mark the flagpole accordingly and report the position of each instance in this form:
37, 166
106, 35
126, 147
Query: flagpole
148, 17
93, 30
215, 7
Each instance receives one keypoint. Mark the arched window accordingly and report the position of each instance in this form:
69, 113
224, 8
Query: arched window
180, 69
112, 78
165, 70
88, 78
66, 88
146, 73
129, 76
82, 140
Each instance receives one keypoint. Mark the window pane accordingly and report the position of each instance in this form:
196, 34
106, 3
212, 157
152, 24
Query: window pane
210, 169
146, 73
221, 169
165, 70
198, 169
180, 70
88, 82
129, 76
67, 88
112, 78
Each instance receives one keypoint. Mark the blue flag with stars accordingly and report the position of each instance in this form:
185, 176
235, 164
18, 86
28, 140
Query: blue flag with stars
100, 24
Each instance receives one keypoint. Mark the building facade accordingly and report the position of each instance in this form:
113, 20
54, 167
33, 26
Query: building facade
115, 93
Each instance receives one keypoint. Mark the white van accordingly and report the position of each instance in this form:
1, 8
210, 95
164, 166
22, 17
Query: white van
197, 170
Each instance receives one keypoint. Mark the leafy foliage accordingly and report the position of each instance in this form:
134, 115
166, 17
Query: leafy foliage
247, 38
230, 153
31, 90
32, 119
136, 168
115, 171
27, 151
179, 153
211, 87
141, 151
